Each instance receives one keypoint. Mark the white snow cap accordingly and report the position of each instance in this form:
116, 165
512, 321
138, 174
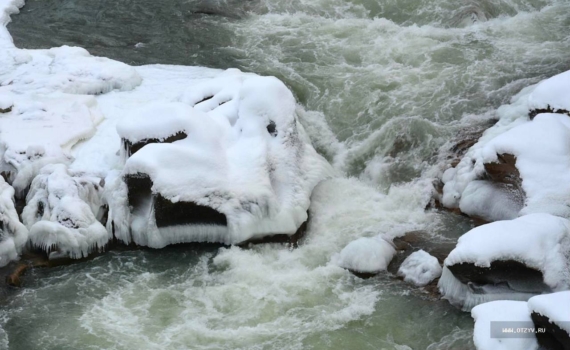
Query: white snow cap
553, 93
420, 268
245, 158
366, 255
13, 234
555, 306
540, 241
61, 212
501, 311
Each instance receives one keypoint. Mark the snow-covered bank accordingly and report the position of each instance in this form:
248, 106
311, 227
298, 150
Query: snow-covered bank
241, 158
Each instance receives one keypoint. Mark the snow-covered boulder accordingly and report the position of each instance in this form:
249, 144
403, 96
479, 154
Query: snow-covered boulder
511, 259
366, 256
40, 130
493, 317
523, 170
237, 170
61, 212
13, 234
420, 268
551, 312
551, 96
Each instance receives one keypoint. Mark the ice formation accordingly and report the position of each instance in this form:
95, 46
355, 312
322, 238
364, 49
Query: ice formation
228, 163
513, 259
519, 166
366, 255
420, 268
13, 235
507, 314
61, 212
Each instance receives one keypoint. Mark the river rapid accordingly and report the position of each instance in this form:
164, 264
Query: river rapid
383, 87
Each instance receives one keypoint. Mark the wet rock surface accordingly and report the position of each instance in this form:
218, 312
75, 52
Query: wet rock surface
554, 338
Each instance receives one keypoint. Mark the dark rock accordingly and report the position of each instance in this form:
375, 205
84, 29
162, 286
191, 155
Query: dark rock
6, 110
291, 240
504, 171
555, 338
507, 273
132, 148
548, 109
168, 213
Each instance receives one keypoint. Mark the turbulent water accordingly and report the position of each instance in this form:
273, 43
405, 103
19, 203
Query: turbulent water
383, 85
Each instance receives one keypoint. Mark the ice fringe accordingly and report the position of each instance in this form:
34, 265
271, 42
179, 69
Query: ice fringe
245, 156
61, 212
13, 234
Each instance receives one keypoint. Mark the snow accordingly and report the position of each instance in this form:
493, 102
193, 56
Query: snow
555, 306
502, 311
366, 255
540, 241
552, 93
540, 147
260, 180
61, 212
420, 268
13, 234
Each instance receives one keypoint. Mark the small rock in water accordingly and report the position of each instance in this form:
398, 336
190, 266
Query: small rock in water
366, 257
6, 104
420, 268
139, 45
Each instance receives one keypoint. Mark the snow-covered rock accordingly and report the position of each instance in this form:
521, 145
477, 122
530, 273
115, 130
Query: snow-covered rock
61, 212
42, 129
552, 312
512, 259
13, 234
491, 317
518, 166
551, 95
420, 268
366, 255
230, 168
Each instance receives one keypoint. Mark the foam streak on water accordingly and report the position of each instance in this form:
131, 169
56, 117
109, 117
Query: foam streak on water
382, 85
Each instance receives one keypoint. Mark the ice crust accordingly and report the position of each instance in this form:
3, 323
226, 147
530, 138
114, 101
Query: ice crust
420, 268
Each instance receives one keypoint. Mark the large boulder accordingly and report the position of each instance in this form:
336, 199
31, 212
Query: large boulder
228, 164
512, 259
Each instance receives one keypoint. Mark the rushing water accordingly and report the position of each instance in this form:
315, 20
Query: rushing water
383, 85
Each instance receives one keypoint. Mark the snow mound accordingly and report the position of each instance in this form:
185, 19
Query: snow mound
552, 94
239, 171
61, 212
13, 234
366, 255
513, 259
64, 69
507, 314
555, 306
42, 130
420, 268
